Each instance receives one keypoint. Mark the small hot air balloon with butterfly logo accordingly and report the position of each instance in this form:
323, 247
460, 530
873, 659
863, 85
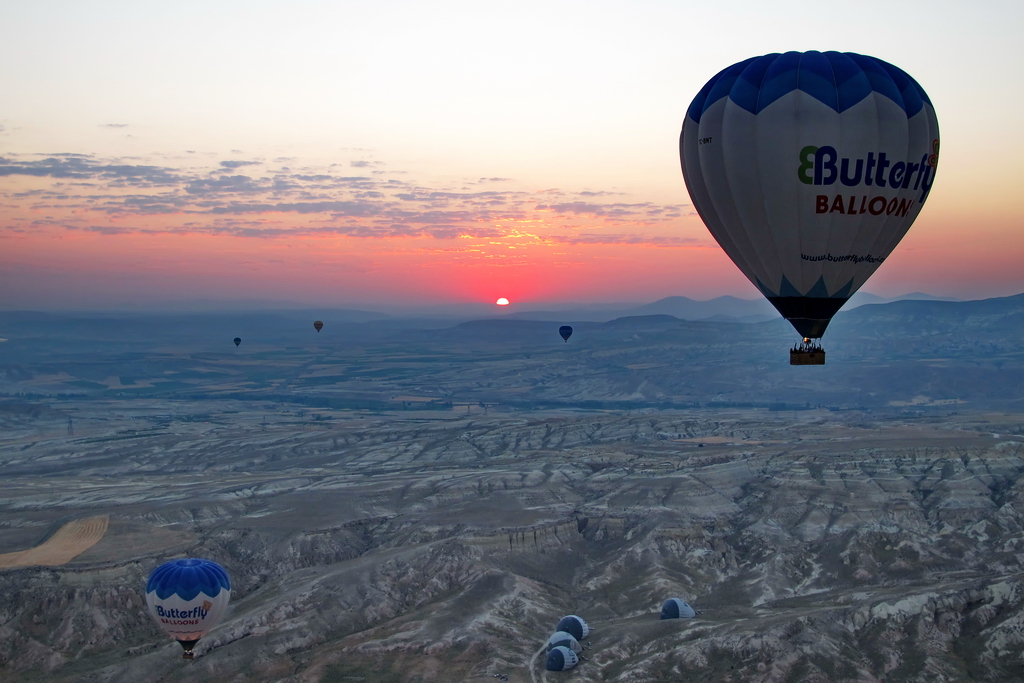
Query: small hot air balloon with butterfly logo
187, 598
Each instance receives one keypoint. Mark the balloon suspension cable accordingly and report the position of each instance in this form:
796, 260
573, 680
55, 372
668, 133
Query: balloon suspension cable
807, 345
188, 645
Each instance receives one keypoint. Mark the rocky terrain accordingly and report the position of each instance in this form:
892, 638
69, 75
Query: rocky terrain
434, 545
422, 500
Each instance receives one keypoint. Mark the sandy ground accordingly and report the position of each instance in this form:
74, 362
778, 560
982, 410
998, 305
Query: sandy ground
71, 540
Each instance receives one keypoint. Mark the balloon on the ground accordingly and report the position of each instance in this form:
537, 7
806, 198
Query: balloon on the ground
565, 331
238, 340
575, 626
808, 168
318, 325
187, 598
676, 608
563, 639
560, 659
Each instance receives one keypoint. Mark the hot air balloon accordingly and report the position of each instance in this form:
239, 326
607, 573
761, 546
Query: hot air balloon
563, 639
187, 598
318, 325
808, 168
574, 626
675, 608
565, 331
560, 659
238, 340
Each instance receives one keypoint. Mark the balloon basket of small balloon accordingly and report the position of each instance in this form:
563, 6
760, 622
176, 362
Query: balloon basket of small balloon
187, 645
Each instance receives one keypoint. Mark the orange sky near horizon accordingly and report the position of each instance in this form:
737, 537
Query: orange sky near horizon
389, 153
80, 257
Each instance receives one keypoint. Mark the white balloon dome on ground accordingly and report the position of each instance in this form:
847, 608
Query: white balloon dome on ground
677, 608
560, 659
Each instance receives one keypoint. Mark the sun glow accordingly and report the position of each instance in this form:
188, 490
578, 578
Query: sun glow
502, 301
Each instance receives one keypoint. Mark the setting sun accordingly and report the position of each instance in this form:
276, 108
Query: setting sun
502, 301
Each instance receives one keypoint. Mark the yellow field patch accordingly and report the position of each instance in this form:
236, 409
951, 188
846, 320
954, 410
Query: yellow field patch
70, 541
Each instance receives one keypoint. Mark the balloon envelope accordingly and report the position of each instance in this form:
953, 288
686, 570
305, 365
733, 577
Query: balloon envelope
808, 168
675, 608
238, 341
560, 659
187, 598
563, 639
575, 626
318, 325
565, 331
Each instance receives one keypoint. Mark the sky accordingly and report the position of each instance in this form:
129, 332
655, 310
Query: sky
360, 154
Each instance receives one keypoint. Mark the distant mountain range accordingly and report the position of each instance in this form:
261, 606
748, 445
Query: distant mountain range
719, 309
878, 353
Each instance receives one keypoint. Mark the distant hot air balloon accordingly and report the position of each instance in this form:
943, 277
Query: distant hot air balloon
676, 608
808, 168
318, 325
238, 340
574, 626
560, 659
187, 598
565, 331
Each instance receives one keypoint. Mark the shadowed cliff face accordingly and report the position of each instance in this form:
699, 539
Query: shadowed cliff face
416, 547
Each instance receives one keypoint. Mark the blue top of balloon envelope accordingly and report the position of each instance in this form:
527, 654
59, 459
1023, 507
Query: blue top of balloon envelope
187, 578
837, 79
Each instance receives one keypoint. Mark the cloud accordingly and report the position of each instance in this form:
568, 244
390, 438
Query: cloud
238, 164
299, 199
334, 207
595, 238
113, 125
362, 163
85, 166
225, 183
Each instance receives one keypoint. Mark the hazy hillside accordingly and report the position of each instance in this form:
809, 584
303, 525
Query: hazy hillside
908, 352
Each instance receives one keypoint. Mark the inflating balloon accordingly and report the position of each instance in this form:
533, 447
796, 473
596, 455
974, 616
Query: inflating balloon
238, 341
808, 168
677, 608
187, 598
575, 626
318, 325
563, 639
565, 331
561, 659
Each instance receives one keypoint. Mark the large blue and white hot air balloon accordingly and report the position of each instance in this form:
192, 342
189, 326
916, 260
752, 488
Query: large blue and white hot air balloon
187, 598
808, 168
